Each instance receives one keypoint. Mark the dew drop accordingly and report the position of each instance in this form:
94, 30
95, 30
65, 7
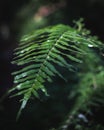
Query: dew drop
47, 57
24, 74
17, 77
90, 45
48, 40
22, 51
19, 86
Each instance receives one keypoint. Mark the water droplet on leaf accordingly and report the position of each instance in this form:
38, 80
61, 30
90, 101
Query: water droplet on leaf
24, 74
19, 86
90, 45
48, 40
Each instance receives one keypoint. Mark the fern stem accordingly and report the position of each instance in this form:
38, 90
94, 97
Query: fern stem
48, 54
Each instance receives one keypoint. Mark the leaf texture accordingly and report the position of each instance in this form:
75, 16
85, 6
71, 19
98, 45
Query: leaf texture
40, 51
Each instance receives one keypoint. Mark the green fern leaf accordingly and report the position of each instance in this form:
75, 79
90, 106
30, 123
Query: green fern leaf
40, 51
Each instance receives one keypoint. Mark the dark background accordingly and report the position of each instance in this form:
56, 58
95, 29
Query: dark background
10, 26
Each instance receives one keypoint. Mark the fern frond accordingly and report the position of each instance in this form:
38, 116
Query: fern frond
40, 51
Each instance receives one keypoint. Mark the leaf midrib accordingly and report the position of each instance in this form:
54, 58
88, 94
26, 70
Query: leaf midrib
50, 50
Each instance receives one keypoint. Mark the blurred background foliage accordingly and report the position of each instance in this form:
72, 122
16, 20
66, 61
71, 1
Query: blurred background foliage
75, 105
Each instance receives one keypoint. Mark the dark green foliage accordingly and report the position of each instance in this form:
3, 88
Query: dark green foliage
86, 113
89, 104
76, 102
42, 50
